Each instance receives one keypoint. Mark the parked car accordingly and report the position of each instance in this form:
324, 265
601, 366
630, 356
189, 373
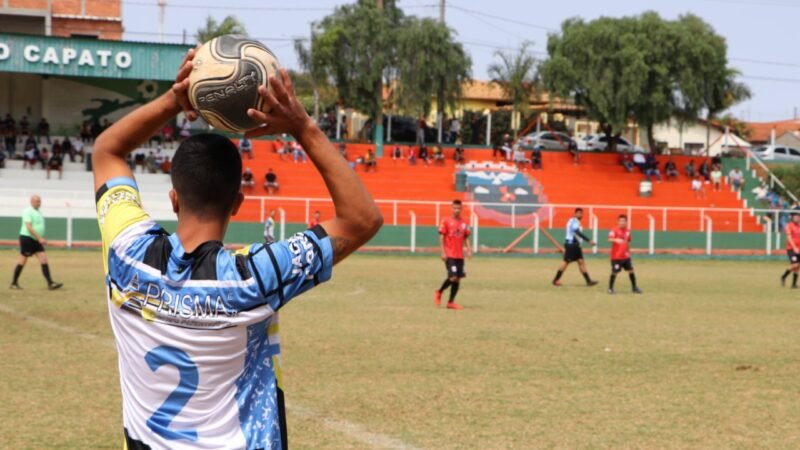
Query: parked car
550, 140
777, 153
599, 143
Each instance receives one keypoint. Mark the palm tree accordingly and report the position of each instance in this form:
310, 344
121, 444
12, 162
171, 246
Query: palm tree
212, 29
723, 94
517, 74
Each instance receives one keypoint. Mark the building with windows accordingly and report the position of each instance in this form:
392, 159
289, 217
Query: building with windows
64, 60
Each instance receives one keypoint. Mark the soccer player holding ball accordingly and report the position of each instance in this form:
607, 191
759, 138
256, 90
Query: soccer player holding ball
792, 250
453, 238
196, 326
620, 239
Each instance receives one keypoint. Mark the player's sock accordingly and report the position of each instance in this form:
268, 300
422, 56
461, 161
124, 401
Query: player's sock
46, 273
611, 281
786, 274
17, 273
558, 275
633, 280
445, 285
587, 277
454, 291
794, 279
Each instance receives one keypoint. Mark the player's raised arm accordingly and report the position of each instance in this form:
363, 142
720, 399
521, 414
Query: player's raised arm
357, 217
124, 136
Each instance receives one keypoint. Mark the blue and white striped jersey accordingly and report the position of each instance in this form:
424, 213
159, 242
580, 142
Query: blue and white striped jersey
197, 332
573, 228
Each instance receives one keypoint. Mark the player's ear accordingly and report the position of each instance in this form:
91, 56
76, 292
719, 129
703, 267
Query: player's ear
237, 204
173, 198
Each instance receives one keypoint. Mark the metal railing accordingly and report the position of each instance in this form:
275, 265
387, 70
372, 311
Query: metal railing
773, 180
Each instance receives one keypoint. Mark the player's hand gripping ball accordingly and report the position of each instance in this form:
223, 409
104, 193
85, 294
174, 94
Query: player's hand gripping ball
223, 84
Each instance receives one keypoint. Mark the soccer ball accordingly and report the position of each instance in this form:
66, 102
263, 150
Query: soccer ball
225, 78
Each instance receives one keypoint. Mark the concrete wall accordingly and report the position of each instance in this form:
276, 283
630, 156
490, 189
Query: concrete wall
21, 95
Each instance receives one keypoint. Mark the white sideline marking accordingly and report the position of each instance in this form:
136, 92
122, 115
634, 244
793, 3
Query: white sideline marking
354, 430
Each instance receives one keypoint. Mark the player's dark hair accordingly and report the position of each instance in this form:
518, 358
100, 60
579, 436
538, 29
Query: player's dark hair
206, 173
577, 210
457, 202
623, 216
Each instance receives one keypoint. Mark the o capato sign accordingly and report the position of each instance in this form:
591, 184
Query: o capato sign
81, 57
69, 55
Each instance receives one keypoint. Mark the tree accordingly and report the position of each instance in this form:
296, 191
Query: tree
212, 29
642, 68
430, 63
355, 49
517, 74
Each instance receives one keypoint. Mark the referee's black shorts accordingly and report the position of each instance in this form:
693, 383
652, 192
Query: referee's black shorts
572, 252
29, 246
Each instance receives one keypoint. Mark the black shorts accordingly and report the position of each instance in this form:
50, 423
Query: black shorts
794, 258
572, 252
29, 246
455, 267
618, 265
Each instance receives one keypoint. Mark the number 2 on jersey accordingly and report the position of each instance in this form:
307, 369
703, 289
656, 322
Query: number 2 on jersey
160, 420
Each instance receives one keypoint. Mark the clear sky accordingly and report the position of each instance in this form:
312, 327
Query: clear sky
762, 34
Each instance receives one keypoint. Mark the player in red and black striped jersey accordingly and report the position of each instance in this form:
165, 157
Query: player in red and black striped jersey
792, 250
454, 234
620, 239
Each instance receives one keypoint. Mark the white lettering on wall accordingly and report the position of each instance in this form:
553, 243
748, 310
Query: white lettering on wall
103, 54
31, 53
86, 59
5, 52
67, 55
50, 56
123, 60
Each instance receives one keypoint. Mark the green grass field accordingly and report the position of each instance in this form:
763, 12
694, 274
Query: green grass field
707, 358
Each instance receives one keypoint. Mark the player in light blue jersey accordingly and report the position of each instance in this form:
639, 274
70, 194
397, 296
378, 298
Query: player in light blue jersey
572, 249
195, 325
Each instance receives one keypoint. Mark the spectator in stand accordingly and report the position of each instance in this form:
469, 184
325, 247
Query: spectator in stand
422, 128
438, 155
519, 157
423, 154
370, 163
10, 135
397, 154
271, 182
573, 150
705, 171
57, 146
626, 162
698, 187
166, 165
66, 146
640, 161
31, 157
412, 157
31, 141
689, 170
2, 160
56, 162
186, 129
762, 193
245, 146
248, 180
298, 154
315, 220
25, 127
536, 158
130, 161
458, 154
716, 178
106, 124
652, 168
671, 170
168, 135
43, 129
736, 178
86, 132
96, 129
77, 149
44, 156
475, 128
507, 151
150, 163
10, 123
455, 130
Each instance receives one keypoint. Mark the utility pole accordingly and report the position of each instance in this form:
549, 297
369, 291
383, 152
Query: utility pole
441, 10
162, 4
